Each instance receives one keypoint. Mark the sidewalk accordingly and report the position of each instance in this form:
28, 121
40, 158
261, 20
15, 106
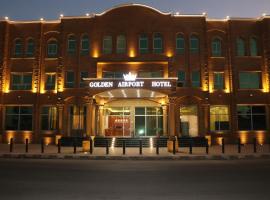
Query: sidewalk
198, 153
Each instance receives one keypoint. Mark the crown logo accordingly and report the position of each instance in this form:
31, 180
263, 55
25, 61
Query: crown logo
130, 77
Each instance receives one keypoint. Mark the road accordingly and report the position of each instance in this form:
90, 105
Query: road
111, 180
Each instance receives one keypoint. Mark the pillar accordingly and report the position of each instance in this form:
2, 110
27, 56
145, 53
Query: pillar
101, 120
165, 114
60, 109
89, 116
171, 117
206, 120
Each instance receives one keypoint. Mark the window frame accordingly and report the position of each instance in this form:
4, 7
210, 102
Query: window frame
119, 39
240, 47
246, 83
216, 47
143, 37
19, 115
223, 81
18, 47
30, 46
157, 37
71, 44
47, 114
85, 39
107, 50
52, 52
21, 85
69, 84
179, 38
192, 48
50, 85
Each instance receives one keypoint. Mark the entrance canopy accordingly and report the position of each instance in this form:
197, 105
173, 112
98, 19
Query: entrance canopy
131, 93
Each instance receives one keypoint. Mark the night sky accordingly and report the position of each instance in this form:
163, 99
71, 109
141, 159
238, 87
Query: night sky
50, 9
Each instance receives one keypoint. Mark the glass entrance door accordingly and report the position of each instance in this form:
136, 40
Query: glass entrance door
148, 121
189, 121
117, 121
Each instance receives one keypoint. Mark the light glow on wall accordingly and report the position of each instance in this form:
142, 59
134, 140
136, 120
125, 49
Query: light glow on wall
132, 53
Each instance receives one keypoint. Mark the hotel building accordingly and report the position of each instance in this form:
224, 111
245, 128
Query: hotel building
134, 71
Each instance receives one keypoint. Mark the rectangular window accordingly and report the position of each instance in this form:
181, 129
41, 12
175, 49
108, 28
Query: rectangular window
50, 81
84, 74
219, 118
150, 74
116, 75
18, 118
49, 118
52, 50
181, 82
157, 45
218, 80
71, 46
180, 45
107, 45
195, 79
148, 121
121, 44
143, 45
249, 80
251, 117
21, 81
77, 116
70, 79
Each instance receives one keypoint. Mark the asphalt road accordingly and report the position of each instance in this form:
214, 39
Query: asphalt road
110, 180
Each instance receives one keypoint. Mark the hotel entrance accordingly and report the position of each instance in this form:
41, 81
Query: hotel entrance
132, 117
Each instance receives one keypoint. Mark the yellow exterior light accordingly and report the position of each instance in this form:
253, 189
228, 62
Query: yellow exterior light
131, 52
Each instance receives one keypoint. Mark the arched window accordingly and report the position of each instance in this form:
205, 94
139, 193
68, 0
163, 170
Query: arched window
216, 47
157, 43
194, 44
85, 45
71, 48
180, 44
253, 47
240, 47
107, 44
143, 44
52, 49
30, 48
121, 44
18, 47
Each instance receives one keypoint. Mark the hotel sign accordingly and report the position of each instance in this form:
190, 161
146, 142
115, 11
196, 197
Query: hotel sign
131, 81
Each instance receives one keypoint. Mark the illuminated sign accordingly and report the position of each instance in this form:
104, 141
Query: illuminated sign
130, 81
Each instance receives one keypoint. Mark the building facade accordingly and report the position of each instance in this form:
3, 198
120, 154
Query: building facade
135, 71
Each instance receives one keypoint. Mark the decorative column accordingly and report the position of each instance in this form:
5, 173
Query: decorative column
171, 116
165, 121
101, 120
206, 120
60, 109
89, 116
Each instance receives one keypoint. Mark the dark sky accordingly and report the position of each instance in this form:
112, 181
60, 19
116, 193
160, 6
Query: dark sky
50, 9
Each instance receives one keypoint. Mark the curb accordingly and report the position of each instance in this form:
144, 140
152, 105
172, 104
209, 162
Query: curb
142, 157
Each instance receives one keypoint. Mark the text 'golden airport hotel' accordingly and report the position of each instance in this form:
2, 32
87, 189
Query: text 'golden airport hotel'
134, 71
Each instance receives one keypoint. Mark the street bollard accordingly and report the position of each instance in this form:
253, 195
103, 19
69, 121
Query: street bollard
26, 145
190, 147
107, 146
157, 146
91, 146
239, 145
223, 145
59, 146
174, 146
42, 145
124, 147
140, 146
11, 145
207, 147
74, 146
254, 145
